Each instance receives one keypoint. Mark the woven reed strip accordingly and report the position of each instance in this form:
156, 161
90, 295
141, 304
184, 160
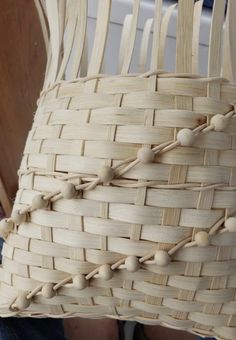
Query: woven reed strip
126, 50
213, 90
184, 64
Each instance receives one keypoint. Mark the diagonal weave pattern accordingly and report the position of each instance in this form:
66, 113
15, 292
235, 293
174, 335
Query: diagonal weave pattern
154, 242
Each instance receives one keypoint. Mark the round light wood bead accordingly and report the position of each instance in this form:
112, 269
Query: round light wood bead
162, 258
186, 137
47, 291
202, 239
106, 173
17, 217
219, 122
105, 272
145, 155
230, 224
79, 281
68, 190
6, 226
38, 202
22, 302
132, 263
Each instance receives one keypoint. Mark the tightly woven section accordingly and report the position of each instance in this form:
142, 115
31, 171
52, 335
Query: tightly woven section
126, 206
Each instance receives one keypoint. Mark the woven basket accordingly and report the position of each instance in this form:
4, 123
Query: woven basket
127, 185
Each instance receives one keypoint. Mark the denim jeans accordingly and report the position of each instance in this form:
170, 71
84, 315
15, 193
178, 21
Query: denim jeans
31, 329
208, 3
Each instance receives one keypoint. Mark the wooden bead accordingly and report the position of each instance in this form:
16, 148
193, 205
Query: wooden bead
219, 122
132, 263
6, 225
106, 173
162, 258
38, 202
230, 224
22, 302
79, 281
68, 190
186, 137
47, 291
202, 239
17, 217
145, 155
105, 272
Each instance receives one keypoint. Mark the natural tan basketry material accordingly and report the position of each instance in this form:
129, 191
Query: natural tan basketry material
127, 185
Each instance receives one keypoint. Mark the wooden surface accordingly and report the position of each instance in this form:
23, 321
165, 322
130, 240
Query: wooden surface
22, 65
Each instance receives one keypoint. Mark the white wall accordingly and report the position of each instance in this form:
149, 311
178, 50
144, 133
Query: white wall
122, 7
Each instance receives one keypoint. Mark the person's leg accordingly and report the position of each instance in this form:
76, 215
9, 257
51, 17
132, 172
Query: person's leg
90, 329
164, 333
106, 329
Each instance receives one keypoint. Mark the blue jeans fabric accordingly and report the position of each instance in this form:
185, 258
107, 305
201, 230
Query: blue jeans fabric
31, 329
208, 3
